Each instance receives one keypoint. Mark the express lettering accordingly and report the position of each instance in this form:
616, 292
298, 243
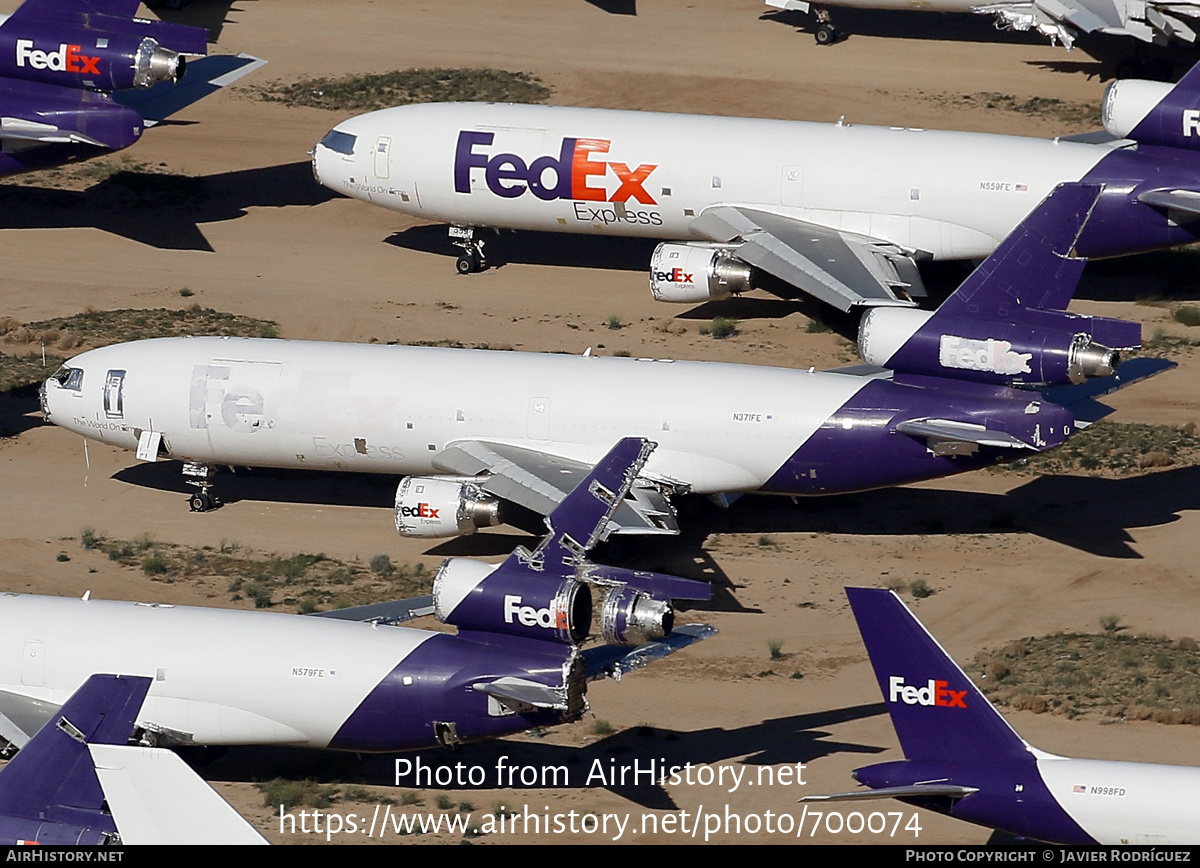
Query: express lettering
66, 59
933, 693
567, 176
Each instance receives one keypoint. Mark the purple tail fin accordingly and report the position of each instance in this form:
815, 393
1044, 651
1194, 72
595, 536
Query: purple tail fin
1153, 113
53, 776
1033, 268
936, 710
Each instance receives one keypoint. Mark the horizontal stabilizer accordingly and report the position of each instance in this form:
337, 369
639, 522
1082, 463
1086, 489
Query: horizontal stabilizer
615, 661
1186, 201
156, 799
392, 612
524, 692
1081, 399
658, 585
949, 431
25, 130
204, 77
916, 791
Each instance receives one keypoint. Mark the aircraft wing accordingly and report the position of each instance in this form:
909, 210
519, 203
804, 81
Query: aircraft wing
839, 268
539, 481
1063, 20
916, 791
203, 77
155, 798
392, 612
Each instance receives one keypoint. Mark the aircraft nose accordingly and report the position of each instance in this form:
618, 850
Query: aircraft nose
42, 400
330, 154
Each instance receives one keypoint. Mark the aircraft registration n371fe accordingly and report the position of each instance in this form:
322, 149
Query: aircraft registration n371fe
841, 212
943, 392
350, 679
965, 760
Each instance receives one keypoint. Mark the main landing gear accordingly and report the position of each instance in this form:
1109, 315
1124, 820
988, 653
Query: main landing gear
471, 259
201, 476
826, 33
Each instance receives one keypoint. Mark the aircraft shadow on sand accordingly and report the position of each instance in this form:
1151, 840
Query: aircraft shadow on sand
163, 211
1092, 514
527, 247
212, 15
786, 740
19, 410
616, 7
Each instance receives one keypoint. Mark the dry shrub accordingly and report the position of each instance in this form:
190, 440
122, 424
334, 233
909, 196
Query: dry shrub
1156, 459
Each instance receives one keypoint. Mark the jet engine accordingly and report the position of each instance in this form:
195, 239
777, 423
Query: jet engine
434, 507
479, 596
1049, 348
1128, 101
689, 273
630, 617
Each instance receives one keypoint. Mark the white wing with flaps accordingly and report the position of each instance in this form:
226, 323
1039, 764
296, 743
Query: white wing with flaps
839, 268
539, 481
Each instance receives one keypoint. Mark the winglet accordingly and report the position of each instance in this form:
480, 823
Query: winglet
938, 713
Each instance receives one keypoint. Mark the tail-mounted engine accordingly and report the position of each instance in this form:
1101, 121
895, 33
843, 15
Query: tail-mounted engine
630, 617
434, 507
1129, 102
1047, 348
690, 273
479, 596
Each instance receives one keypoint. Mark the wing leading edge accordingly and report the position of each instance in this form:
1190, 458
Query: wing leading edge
839, 268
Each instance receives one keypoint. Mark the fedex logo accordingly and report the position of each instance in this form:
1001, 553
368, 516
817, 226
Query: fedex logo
933, 693
531, 617
570, 175
675, 275
421, 510
66, 59
1191, 122
994, 356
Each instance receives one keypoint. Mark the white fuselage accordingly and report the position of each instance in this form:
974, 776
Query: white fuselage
951, 195
1125, 802
392, 409
220, 676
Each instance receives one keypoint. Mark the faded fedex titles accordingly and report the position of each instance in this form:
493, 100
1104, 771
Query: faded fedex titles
572, 175
66, 59
986, 355
933, 693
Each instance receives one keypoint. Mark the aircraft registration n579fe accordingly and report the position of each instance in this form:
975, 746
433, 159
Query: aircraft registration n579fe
839, 211
943, 392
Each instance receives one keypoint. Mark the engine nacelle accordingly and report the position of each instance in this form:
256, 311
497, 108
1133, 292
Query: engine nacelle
1054, 348
1127, 102
95, 59
629, 617
479, 596
430, 507
690, 273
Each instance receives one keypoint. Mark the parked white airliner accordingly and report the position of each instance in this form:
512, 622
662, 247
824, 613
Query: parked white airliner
839, 211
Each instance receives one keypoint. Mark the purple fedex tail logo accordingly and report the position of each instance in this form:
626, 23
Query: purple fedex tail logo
573, 174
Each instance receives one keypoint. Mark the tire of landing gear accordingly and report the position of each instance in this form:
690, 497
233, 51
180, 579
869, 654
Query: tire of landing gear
200, 502
826, 35
467, 264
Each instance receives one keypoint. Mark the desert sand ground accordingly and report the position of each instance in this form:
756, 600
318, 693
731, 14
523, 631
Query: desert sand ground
269, 243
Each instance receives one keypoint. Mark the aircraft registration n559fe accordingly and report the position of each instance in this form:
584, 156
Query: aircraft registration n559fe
943, 392
841, 212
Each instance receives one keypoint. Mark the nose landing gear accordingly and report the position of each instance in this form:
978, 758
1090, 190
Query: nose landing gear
471, 260
202, 474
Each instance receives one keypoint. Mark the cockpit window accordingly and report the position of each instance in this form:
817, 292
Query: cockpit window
338, 141
69, 378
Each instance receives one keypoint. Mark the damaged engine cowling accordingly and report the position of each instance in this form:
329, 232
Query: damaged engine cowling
478, 596
435, 507
689, 273
630, 617
1053, 349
